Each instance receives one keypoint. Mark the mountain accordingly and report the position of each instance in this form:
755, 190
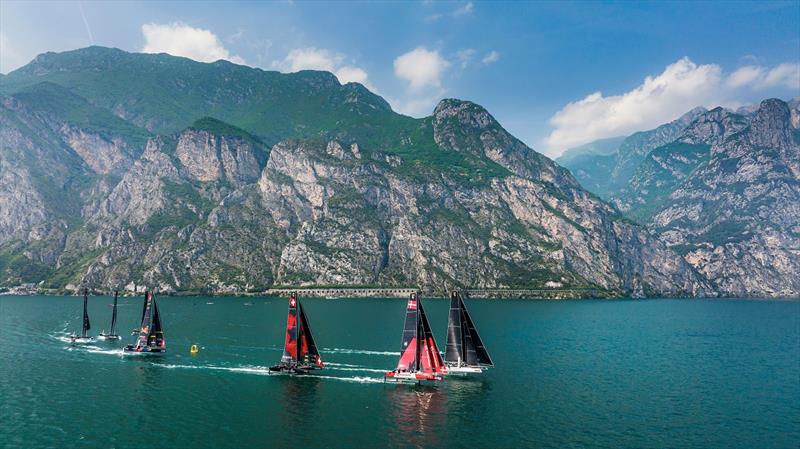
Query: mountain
724, 193
133, 170
605, 174
592, 162
736, 215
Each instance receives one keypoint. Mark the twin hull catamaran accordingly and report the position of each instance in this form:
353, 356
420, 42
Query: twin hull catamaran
151, 336
419, 358
300, 353
464, 352
111, 335
84, 336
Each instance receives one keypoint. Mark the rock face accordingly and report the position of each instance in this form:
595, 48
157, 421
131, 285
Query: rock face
317, 183
724, 193
737, 216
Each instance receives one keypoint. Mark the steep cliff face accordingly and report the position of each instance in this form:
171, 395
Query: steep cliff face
322, 213
667, 166
737, 217
118, 185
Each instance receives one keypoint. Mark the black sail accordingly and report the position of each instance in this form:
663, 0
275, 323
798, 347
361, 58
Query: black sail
481, 354
453, 348
156, 336
409, 351
147, 321
309, 345
114, 314
86, 325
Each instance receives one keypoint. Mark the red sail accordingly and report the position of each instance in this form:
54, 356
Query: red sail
430, 358
290, 345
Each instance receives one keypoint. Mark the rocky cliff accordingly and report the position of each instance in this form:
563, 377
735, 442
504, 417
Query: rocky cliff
298, 180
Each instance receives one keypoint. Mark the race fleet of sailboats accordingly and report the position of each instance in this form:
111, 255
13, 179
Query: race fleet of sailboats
420, 358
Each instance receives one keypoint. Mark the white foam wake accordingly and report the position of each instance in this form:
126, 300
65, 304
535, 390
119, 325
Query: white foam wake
360, 351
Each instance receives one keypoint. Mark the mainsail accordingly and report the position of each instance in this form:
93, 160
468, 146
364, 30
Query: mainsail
86, 325
419, 352
464, 345
292, 328
114, 314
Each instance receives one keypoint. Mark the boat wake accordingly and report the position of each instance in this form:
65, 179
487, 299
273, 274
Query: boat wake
360, 351
264, 371
347, 367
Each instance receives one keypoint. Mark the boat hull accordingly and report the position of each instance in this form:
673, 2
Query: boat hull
108, 337
292, 369
77, 340
463, 370
133, 350
411, 377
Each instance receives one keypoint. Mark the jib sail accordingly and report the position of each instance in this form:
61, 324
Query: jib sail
430, 360
308, 348
476, 344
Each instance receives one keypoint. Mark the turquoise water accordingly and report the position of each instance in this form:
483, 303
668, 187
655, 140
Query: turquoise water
615, 374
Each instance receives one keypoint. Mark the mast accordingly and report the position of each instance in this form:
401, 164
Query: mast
147, 320
114, 313
86, 325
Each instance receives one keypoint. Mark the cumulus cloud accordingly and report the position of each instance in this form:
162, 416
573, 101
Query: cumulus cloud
180, 39
421, 67
422, 70
311, 58
9, 57
490, 57
660, 99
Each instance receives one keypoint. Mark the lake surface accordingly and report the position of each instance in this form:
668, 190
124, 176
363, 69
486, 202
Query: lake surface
615, 374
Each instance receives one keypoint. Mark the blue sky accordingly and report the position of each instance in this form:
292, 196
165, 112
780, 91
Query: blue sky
555, 74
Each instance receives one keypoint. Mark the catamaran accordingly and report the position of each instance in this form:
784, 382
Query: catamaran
151, 335
84, 337
111, 335
300, 354
419, 357
464, 353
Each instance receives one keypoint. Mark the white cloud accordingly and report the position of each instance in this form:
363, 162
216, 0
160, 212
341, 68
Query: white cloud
759, 78
421, 68
180, 39
467, 8
660, 99
490, 57
311, 58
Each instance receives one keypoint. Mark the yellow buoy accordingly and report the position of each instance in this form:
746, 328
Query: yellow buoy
194, 349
